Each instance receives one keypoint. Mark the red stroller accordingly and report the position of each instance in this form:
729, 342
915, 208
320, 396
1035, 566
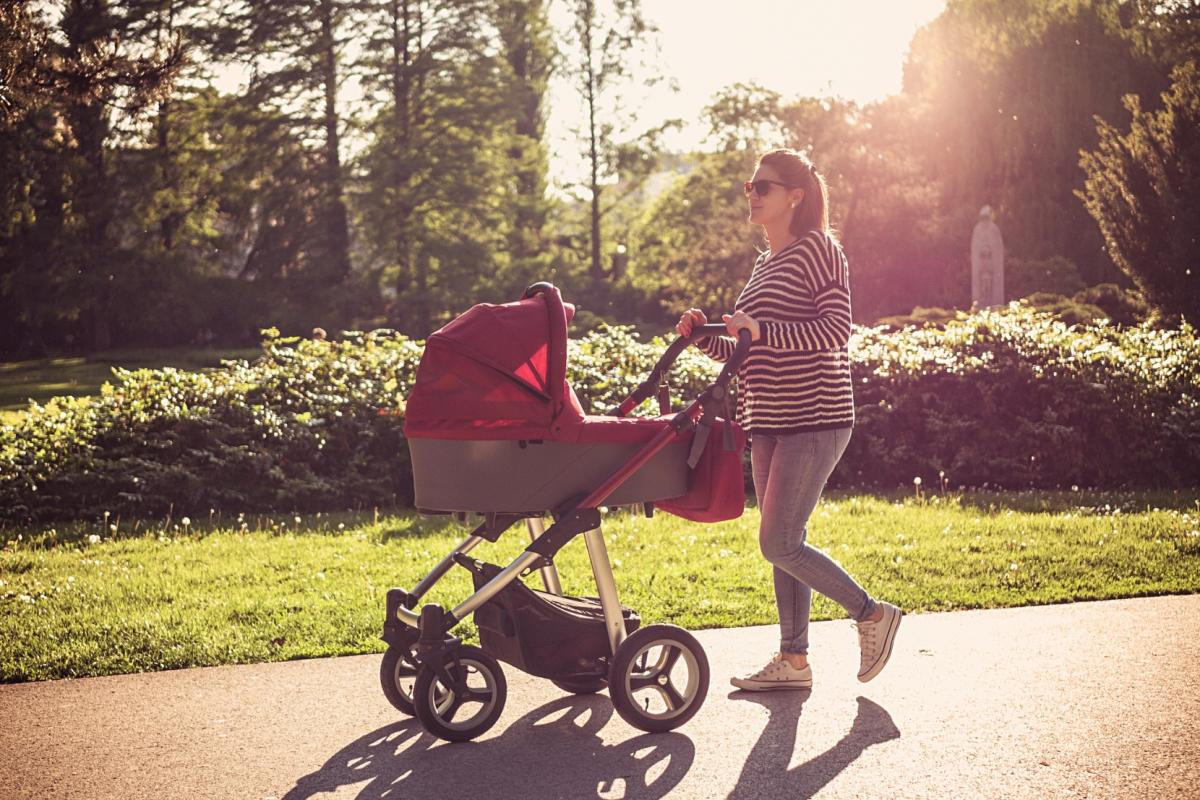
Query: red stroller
494, 428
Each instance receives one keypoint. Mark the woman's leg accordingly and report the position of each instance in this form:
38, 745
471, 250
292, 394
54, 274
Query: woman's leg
792, 598
790, 475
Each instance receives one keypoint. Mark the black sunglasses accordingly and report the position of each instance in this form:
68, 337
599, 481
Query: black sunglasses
760, 187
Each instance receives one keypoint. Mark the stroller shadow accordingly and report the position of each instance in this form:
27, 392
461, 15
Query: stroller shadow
553, 751
766, 772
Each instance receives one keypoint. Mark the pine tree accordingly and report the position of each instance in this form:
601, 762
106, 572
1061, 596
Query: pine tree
1143, 190
296, 50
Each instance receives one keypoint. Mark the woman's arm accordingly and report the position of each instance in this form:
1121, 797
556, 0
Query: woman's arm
717, 347
831, 328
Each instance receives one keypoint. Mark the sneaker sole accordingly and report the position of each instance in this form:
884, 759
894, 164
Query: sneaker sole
754, 686
888, 641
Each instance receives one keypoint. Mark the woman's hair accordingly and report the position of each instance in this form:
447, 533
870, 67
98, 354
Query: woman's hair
798, 172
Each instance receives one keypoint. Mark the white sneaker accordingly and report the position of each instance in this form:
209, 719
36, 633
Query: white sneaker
778, 674
875, 641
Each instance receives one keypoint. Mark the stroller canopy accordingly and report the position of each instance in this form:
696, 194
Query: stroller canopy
497, 372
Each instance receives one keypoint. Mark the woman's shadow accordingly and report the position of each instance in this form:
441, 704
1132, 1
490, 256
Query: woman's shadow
553, 751
766, 772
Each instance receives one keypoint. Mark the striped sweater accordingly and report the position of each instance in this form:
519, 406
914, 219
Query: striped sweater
796, 377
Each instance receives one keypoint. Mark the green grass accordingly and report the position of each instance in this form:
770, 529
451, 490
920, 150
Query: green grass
211, 592
41, 379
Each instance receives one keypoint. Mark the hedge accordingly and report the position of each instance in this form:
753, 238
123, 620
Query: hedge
1006, 398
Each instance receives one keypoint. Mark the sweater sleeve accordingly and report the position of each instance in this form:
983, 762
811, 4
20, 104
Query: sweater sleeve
830, 330
719, 348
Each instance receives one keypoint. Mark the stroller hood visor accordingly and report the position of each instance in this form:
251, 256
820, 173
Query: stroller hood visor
496, 371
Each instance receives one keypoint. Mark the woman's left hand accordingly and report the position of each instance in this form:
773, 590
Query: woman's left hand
740, 319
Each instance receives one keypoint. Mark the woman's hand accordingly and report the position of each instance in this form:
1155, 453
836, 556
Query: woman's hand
740, 319
690, 319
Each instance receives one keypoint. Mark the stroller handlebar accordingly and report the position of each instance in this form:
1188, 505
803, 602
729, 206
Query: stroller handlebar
650, 384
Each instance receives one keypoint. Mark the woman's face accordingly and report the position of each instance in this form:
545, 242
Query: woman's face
776, 205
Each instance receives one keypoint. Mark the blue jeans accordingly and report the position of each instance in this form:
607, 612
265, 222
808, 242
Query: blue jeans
789, 475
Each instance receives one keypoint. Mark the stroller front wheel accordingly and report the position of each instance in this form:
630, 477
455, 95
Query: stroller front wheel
397, 674
470, 704
659, 678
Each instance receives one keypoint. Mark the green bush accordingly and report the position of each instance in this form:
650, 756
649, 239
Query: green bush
1122, 306
1066, 309
1015, 398
1008, 398
300, 428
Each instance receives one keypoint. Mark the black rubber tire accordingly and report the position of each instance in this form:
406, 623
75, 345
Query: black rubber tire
626, 677
581, 685
397, 672
430, 697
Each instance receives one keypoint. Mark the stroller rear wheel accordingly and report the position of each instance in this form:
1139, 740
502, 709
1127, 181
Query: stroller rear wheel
659, 678
397, 674
470, 704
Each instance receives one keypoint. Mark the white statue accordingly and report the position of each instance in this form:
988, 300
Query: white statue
987, 262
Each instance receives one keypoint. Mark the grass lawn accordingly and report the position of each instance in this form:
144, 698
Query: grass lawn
44, 378
112, 597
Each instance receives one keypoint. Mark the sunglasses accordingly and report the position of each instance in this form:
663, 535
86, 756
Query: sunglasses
760, 187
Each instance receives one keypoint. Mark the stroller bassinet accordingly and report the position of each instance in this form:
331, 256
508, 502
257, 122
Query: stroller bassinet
493, 426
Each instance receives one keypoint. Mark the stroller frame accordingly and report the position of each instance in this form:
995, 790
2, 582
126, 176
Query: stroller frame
420, 642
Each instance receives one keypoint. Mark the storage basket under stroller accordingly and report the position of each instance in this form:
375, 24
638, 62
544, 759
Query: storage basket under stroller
544, 634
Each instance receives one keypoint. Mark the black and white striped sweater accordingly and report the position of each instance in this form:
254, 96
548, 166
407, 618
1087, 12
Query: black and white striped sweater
796, 377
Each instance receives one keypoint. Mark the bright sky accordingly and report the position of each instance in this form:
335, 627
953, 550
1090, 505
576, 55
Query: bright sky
849, 48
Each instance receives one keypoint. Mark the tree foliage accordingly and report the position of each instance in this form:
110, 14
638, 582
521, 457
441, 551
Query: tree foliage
1143, 190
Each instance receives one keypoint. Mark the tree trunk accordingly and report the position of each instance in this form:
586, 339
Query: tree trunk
402, 58
87, 25
526, 59
589, 74
168, 173
337, 225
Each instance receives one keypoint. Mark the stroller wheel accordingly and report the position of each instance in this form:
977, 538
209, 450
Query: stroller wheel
581, 685
470, 705
659, 678
397, 674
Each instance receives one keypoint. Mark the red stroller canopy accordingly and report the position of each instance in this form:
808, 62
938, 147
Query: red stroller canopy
497, 372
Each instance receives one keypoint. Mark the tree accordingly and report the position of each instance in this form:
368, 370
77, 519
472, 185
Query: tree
1143, 190
602, 46
77, 95
1003, 95
527, 46
694, 247
435, 200
295, 51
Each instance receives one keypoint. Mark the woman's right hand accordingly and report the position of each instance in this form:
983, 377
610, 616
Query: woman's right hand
690, 319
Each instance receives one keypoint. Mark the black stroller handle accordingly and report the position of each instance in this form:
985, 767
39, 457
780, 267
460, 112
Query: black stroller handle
534, 289
651, 383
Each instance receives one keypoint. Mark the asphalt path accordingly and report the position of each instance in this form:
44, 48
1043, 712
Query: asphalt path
1087, 700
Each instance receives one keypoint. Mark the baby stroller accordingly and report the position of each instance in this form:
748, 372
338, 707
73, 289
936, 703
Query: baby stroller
494, 429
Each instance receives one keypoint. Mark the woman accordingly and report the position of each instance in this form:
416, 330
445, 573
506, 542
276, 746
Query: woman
795, 397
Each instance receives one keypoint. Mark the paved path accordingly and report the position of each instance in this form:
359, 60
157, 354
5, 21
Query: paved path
1095, 700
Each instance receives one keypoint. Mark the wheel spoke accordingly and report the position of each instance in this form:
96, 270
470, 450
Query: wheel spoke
478, 696
637, 682
455, 705
671, 696
671, 655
